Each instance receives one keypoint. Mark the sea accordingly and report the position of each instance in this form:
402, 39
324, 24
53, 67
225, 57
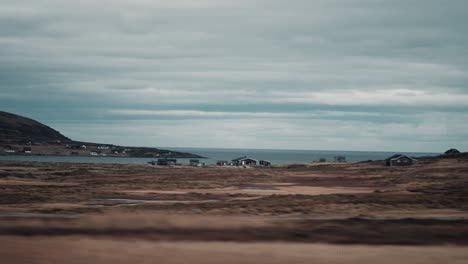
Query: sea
275, 156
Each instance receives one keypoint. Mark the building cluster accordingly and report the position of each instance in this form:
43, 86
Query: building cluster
99, 150
173, 162
242, 161
8, 149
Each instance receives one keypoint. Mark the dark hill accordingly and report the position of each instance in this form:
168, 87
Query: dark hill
21, 135
19, 129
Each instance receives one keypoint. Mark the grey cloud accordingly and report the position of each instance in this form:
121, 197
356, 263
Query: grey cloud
80, 58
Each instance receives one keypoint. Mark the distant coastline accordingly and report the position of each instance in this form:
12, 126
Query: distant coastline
211, 156
23, 136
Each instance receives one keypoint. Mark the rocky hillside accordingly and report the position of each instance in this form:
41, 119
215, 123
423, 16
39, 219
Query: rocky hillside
18, 129
23, 136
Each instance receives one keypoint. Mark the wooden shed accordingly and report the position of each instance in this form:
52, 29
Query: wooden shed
166, 162
244, 161
222, 163
400, 160
194, 162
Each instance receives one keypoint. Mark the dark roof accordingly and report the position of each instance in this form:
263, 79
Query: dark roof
243, 158
394, 156
166, 159
240, 158
397, 156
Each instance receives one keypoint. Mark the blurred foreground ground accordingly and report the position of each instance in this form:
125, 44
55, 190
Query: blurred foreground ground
312, 213
78, 250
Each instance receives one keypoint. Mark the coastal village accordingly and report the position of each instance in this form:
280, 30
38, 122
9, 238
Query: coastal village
167, 158
82, 149
26, 137
241, 161
247, 162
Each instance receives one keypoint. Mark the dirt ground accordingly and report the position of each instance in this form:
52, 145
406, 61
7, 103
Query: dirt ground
304, 213
83, 250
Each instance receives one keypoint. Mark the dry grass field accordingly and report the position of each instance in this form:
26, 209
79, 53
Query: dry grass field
303, 213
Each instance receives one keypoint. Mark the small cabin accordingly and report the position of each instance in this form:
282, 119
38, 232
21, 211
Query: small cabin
194, 162
244, 161
166, 162
400, 160
222, 163
264, 163
103, 147
340, 159
27, 150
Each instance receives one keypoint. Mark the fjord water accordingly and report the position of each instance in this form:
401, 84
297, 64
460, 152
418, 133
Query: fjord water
213, 155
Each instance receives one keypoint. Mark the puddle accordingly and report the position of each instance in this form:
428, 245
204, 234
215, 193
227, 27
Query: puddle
116, 202
262, 190
259, 188
183, 201
35, 215
121, 200
110, 205
109, 202
370, 218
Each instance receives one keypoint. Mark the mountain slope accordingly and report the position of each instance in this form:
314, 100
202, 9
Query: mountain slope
19, 129
21, 135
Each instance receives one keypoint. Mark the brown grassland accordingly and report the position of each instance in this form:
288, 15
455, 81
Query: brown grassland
306, 213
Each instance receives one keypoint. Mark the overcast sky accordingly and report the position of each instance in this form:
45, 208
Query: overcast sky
299, 74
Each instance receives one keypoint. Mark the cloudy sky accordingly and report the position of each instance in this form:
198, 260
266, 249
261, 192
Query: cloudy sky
300, 74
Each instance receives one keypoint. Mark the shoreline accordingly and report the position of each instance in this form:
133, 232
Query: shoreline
98, 156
